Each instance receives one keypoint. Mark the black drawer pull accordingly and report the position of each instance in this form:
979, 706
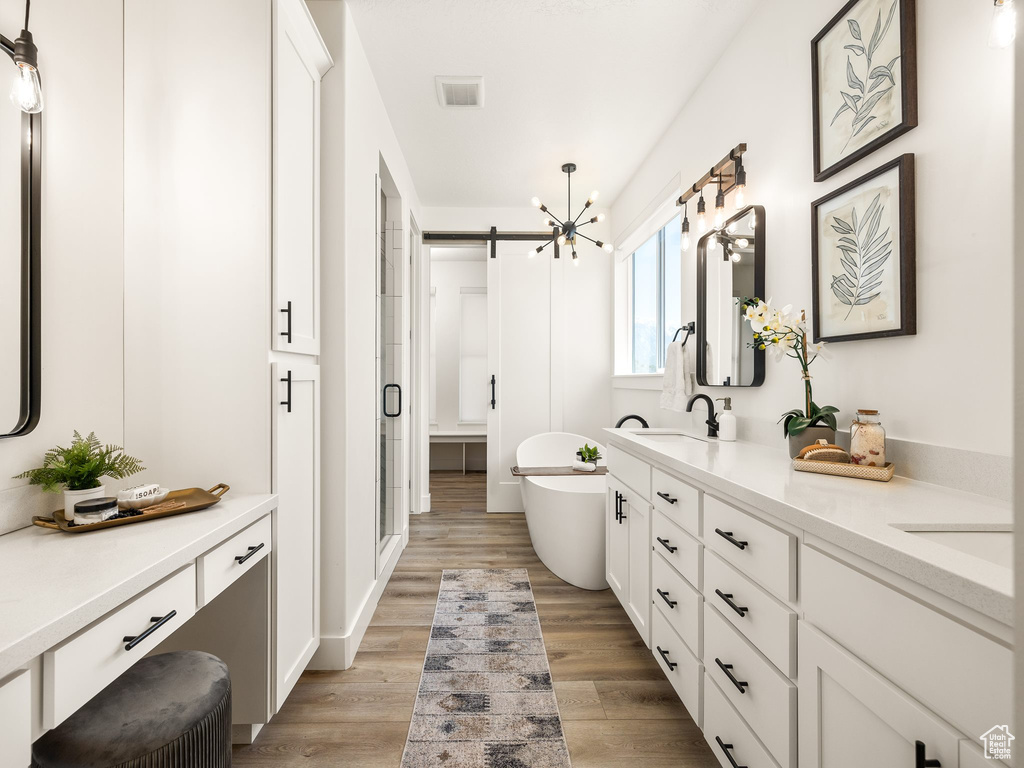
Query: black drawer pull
666, 545
618, 505
252, 551
287, 380
664, 596
158, 621
727, 749
920, 761
727, 535
664, 654
741, 686
667, 498
287, 333
741, 610
622, 503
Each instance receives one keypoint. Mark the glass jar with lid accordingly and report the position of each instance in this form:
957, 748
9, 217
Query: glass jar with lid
867, 439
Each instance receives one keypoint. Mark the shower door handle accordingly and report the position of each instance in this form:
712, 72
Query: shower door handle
397, 413
493, 401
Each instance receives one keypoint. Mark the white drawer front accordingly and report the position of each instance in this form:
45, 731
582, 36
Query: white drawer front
679, 501
756, 548
79, 668
765, 622
910, 644
634, 472
678, 602
768, 700
681, 667
727, 734
220, 567
16, 719
680, 550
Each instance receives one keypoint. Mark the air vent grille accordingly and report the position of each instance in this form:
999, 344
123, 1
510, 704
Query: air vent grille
460, 92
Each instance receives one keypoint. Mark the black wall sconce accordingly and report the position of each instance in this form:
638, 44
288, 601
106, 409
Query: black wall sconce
27, 91
730, 177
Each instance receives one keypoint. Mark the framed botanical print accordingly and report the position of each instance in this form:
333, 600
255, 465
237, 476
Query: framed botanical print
862, 257
864, 81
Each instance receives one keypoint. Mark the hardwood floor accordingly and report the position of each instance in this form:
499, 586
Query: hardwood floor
617, 708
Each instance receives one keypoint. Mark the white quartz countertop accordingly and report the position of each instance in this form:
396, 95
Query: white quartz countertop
52, 584
869, 519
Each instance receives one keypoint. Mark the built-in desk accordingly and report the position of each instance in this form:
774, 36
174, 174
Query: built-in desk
67, 601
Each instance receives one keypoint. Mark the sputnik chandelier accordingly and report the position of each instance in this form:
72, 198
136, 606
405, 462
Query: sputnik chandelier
565, 232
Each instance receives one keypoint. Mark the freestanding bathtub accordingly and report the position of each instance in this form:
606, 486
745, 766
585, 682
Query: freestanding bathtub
565, 515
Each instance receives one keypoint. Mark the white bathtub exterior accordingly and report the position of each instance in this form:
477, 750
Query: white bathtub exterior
565, 515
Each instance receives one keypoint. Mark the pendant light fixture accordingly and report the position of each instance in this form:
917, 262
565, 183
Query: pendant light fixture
685, 243
702, 216
565, 232
719, 205
27, 91
741, 184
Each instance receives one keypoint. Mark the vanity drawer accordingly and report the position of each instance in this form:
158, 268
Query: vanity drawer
910, 644
634, 472
221, 566
767, 701
763, 552
763, 620
16, 719
681, 667
79, 668
678, 602
722, 723
679, 501
680, 550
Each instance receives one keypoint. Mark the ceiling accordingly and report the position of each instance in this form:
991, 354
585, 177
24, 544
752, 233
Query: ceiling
594, 82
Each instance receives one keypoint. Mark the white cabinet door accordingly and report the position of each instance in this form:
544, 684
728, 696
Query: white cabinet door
300, 60
638, 518
851, 717
296, 546
616, 547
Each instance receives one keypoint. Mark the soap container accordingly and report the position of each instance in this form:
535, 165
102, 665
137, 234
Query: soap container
95, 510
867, 439
726, 421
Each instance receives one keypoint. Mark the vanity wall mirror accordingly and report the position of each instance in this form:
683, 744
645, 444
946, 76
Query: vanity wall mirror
20, 155
730, 267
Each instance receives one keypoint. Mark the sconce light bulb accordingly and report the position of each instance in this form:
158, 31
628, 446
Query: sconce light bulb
702, 223
26, 92
719, 218
712, 242
686, 241
740, 197
561, 240
1004, 24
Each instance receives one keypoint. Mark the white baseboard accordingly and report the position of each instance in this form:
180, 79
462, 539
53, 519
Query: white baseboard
424, 503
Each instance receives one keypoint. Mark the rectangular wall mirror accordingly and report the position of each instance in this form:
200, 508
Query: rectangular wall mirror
730, 267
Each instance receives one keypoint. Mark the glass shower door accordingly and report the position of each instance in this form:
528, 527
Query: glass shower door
390, 464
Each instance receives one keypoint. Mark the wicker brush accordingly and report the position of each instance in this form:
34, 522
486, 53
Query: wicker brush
824, 451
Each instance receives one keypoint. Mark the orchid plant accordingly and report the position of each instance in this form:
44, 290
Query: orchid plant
784, 333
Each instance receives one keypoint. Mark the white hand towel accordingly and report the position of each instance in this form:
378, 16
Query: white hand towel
678, 382
582, 466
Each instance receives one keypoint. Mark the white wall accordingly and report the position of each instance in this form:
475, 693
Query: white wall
964, 143
82, 246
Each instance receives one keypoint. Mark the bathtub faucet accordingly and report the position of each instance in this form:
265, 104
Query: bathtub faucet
641, 419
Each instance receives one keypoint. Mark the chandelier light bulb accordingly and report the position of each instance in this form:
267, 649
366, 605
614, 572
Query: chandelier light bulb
561, 240
593, 197
1004, 24
608, 247
735, 256
743, 242
535, 202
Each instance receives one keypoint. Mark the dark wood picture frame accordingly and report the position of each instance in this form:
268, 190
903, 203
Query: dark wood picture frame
907, 14
907, 257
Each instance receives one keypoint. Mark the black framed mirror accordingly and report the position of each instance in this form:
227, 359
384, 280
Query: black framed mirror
730, 267
20, 199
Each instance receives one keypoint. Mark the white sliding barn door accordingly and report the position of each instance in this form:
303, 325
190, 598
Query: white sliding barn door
522, 344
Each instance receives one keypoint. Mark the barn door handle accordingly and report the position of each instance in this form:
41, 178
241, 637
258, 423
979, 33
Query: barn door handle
493, 400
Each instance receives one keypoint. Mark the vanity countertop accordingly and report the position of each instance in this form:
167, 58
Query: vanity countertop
52, 584
869, 519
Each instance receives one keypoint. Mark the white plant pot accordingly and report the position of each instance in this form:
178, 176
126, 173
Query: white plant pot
73, 497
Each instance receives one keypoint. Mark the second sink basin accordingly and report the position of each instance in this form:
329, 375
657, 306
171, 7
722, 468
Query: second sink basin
992, 546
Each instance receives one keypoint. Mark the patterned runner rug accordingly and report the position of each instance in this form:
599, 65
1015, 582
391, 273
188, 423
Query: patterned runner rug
485, 698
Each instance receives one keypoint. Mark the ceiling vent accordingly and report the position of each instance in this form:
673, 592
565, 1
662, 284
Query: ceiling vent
460, 92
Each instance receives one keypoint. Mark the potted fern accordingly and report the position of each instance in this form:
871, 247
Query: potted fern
78, 470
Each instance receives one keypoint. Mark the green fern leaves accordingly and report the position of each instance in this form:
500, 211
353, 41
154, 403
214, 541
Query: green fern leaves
81, 466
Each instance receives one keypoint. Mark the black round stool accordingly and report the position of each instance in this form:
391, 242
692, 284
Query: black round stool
168, 711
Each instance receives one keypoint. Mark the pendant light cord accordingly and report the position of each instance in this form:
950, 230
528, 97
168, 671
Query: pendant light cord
28, 7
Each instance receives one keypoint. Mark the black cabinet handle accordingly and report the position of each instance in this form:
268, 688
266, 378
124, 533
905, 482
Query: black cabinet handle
664, 596
741, 685
287, 333
397, 413
727, 749
622, 502
666, 545
252, 551
288, 399
618, 508
667, 498
727, 535
920, 761
664, 654
493, 401
158, 621
741, 610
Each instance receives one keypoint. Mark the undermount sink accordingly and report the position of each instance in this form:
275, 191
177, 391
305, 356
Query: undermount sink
665, 437
992, 546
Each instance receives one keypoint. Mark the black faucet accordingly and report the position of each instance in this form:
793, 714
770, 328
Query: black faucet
712, 421
641, 419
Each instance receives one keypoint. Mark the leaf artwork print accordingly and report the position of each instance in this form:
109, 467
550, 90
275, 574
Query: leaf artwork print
864, 256
867, 80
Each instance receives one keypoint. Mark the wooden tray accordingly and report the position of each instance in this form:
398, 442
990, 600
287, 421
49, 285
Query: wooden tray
554, 471
881, 474
176, 503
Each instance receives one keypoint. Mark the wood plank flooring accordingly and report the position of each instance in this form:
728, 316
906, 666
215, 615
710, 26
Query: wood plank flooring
617, 708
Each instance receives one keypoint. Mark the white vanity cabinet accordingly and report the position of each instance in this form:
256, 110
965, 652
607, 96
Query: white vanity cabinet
16, 718
628, 553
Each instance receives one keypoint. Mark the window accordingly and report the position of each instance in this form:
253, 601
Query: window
655, 275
